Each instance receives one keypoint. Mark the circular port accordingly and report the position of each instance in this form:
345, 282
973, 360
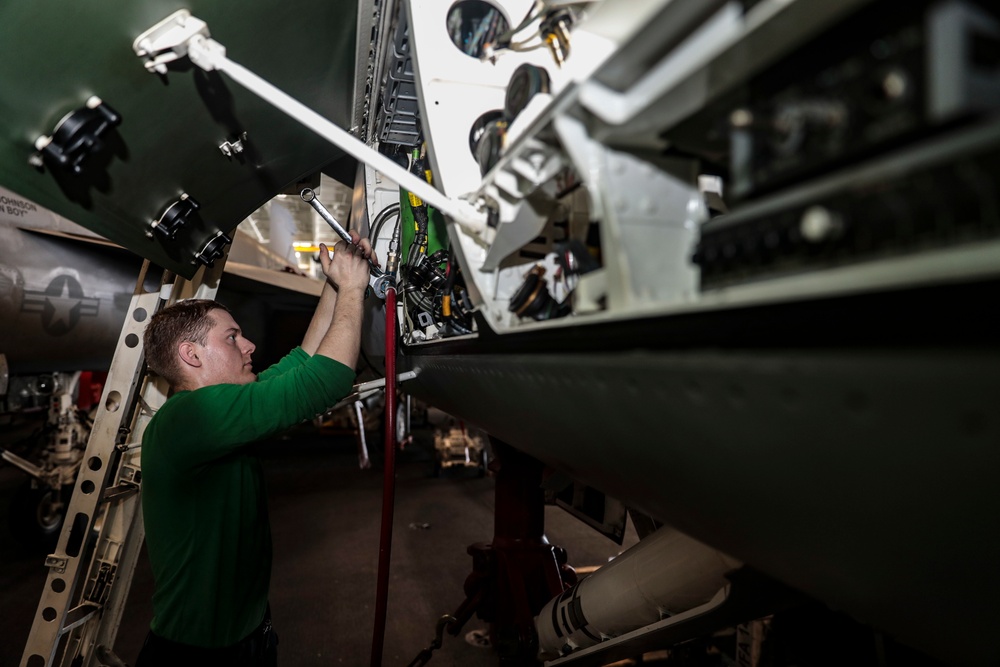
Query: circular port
474, 26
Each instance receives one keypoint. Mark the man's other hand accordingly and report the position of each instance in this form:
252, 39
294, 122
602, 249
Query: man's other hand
348, 267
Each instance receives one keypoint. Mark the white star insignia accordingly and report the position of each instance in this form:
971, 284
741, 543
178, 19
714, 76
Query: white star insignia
62, 306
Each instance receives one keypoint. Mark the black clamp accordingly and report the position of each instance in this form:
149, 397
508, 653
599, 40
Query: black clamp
77, 136
175, 217
213, 249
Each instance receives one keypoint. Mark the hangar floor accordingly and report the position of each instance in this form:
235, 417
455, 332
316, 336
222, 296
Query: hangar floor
325, 520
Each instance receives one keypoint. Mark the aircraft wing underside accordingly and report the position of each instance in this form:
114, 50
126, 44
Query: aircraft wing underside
156, 140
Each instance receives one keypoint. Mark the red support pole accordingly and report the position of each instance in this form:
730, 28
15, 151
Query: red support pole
388, 479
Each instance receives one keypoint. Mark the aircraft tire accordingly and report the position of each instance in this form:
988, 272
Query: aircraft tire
37, 515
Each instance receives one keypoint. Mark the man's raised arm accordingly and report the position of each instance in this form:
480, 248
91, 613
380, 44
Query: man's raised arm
322, 317
335, 330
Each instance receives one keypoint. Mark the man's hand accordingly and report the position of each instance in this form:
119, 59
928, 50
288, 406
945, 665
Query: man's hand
348, 268
339, 313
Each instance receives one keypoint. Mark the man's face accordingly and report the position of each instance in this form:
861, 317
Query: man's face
226, 353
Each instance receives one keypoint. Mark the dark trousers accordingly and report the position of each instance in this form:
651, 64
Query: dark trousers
258, 649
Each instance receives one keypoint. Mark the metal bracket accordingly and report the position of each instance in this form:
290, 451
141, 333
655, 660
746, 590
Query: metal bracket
129, 474
424, 319
366, 389
123, 490
100, 586
229, 149
128, 484
168, 40
56, 563
77, 616
380, 383
146, 408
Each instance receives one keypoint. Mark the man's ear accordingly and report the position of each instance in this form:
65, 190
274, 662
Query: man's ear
188, 353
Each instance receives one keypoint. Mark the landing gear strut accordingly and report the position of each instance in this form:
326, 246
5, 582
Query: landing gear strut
514, 576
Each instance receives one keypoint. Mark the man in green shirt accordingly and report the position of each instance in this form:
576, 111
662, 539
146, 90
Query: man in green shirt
203, 501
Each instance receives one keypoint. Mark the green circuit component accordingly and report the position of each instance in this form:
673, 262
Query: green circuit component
437, 230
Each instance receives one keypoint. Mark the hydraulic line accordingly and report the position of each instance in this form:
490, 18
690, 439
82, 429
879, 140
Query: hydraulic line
389, 471
380, 219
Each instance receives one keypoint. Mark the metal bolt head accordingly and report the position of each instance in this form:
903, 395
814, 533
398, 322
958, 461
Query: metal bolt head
895, 84
819, 223
741, 118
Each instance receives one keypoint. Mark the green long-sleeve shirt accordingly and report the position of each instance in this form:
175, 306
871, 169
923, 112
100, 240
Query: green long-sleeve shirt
203, 498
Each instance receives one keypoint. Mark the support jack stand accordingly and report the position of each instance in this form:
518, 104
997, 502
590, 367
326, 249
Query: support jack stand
519, 572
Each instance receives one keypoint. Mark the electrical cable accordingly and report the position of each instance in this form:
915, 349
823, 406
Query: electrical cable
377, 225
533, 13
422, 301
409, 322
522, 47
448, 284
380, 220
